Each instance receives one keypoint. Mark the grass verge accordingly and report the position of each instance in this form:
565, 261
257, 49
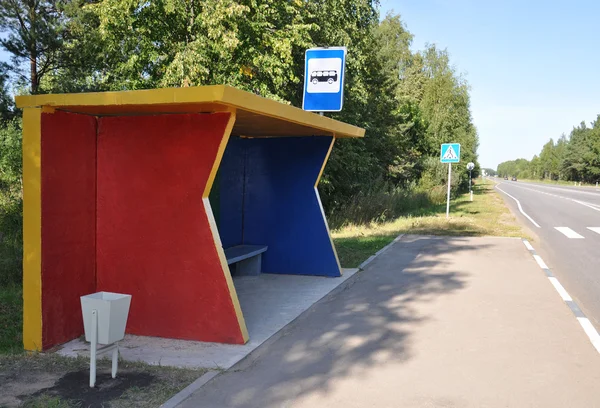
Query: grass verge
11, 319
36, 380
487, 215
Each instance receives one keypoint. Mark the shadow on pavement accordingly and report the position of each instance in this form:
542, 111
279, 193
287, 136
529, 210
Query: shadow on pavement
368, 323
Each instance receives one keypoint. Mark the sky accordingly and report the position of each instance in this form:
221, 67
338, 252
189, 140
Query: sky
533, 66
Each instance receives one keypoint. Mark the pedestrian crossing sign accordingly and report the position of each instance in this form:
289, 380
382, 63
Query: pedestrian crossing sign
450, 153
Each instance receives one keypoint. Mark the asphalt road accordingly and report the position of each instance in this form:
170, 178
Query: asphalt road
565, 222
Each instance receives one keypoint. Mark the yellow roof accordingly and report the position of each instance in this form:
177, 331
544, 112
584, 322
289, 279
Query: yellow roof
255, 116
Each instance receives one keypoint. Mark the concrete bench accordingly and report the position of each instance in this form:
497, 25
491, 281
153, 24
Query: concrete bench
247, 259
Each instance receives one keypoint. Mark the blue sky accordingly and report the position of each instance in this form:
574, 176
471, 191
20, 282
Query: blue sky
533, 66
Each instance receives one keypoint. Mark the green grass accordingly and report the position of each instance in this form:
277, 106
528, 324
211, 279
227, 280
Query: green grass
172, 380
382, 203
11, 240
45, 401
487, 215
11, 319
14, 362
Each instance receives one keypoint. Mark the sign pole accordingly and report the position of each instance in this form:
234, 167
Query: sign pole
470, 167
470, 184
448, 199
450, 153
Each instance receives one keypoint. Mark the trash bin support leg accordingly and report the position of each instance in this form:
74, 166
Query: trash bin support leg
93, 348
115, 361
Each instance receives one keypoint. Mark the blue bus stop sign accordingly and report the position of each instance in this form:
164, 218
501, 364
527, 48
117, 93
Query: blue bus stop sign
324, 79
450, 153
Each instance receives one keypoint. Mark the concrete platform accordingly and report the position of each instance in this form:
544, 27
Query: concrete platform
269, 303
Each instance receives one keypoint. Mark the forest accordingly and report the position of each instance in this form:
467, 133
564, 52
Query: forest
408, 101
574, 158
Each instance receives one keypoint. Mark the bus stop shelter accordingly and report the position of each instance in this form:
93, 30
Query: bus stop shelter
144, 192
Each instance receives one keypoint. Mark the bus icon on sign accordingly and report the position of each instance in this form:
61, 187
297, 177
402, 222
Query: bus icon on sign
323, 76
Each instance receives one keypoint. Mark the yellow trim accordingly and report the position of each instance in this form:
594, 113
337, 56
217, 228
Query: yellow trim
213, 93
215, 230
321, 205
48, 109
325, 162
268, 107
337, 259
232, 97
225, 268
217, 162
32, 230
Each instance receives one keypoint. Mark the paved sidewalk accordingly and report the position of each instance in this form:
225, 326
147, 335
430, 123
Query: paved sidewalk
269, 302
432, 322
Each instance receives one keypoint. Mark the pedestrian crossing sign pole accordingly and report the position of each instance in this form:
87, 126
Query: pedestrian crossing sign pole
470, 167
450, 153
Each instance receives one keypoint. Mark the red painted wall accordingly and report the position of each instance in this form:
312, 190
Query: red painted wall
68, 143
153, 236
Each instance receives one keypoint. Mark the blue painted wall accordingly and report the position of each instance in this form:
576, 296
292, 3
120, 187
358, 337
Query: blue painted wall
230, 183
267, 197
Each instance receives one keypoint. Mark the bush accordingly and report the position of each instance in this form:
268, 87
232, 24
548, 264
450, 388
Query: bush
11, 241
383, 202
11, 204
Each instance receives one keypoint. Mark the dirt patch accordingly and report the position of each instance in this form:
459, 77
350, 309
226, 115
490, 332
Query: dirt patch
74, 387
48, 380
25, 383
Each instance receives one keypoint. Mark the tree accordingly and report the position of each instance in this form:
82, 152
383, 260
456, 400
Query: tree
446, 107
6, 104
409, 102
36, 31
355, 166
519, 168
11, 203
251, 45
549, 161
582, 153
393, 49
574, 158
535, 168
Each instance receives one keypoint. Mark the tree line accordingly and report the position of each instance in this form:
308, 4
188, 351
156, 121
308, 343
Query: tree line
409, 101
573, 158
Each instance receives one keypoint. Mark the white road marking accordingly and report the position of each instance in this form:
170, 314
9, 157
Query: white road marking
568, 232
528, 245
595, 207
589, 205
570, 190
595, 229
540, 262
585, 323
520, 208
559, 288
591, 332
